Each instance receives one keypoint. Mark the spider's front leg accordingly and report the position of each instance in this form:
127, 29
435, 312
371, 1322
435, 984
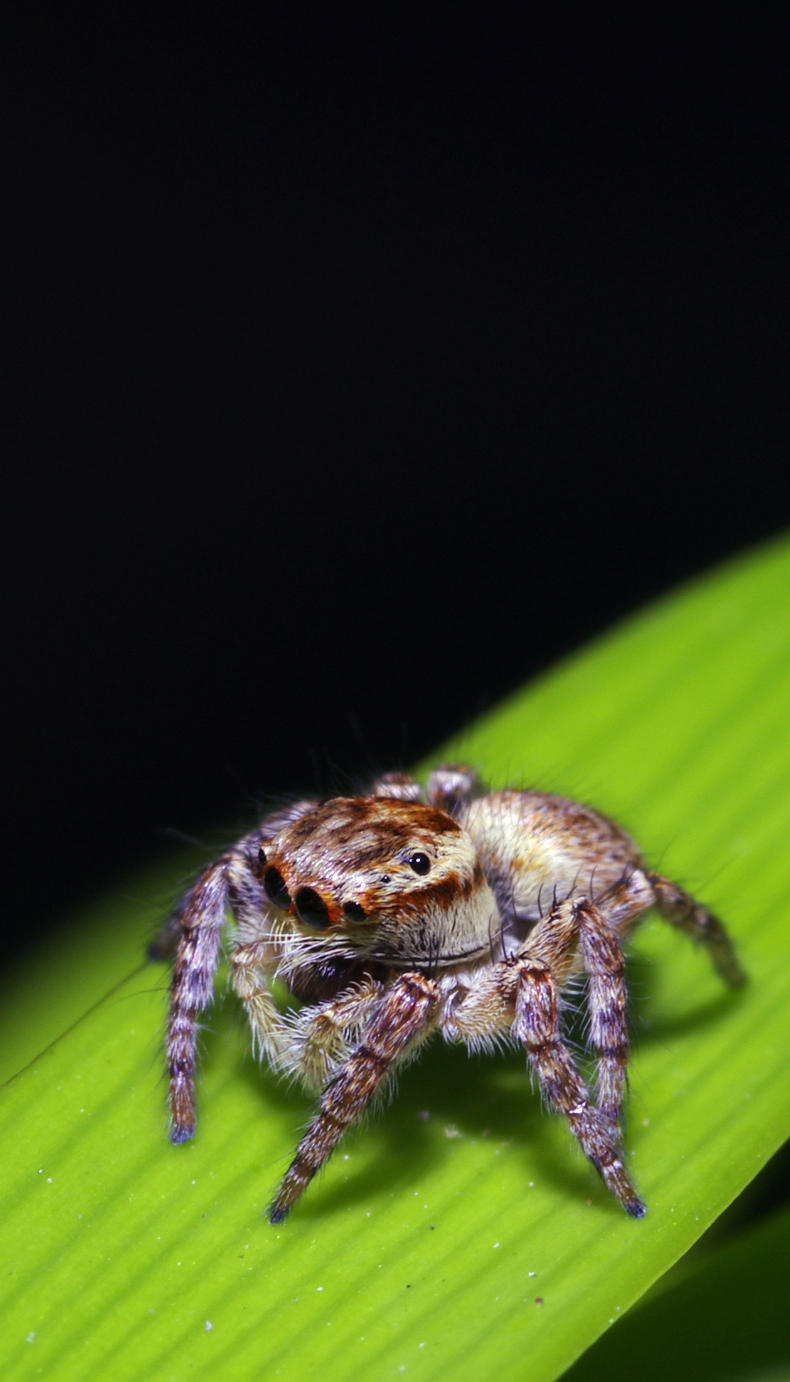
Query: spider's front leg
319, 1036
307, 1044
201, 918
198, 920
404, 1013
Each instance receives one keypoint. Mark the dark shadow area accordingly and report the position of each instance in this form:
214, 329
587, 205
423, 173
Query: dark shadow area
354, 382
723, 1316
491, 1097
487, 1098
697, 1015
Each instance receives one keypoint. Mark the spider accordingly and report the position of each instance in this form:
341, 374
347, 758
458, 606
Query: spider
393, 915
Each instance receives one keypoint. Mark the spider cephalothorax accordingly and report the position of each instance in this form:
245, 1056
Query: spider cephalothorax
391, 917
380, 879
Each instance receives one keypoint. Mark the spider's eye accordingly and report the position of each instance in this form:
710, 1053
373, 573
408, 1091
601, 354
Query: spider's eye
419, 862
275, 889
353, 911
261, 857
311, 908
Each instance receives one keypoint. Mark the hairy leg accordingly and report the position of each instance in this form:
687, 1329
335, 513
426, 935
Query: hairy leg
309, 1043
201, 917
521, 998
319, 1035
590, 929
683, 911
537, 1027
192, 989
403, 1013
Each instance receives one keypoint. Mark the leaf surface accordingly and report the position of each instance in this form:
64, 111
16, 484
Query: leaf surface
460, 1232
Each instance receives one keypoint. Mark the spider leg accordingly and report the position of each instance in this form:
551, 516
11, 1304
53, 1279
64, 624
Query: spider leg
201, 916
537, 1027
191, 990
680, 909
481, 1014
452, 786
307, 1044
318, 1036
607, 998
249, 965
404, 1012
594, 930
397, 785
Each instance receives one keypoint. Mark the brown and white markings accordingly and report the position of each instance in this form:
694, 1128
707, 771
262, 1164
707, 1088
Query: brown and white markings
391, 916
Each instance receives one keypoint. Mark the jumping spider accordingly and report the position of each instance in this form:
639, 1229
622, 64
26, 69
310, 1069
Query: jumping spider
390, 917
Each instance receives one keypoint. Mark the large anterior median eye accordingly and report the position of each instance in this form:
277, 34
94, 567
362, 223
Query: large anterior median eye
419, 862
311, 908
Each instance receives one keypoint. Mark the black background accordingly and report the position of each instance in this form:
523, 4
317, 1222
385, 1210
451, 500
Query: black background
360, 372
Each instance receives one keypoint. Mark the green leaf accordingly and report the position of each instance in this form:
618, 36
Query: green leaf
459, 1233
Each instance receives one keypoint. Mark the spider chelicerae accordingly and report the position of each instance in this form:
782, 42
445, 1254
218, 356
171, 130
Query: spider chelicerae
394, 915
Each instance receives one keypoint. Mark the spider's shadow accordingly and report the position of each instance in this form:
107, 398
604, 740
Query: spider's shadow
646, 1028
486, 1096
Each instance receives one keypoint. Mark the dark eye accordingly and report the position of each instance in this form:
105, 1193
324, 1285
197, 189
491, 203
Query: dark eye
419, 862
275, 889
353, 911
311, 908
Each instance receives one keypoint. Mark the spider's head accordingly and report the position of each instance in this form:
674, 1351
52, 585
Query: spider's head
390, 880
